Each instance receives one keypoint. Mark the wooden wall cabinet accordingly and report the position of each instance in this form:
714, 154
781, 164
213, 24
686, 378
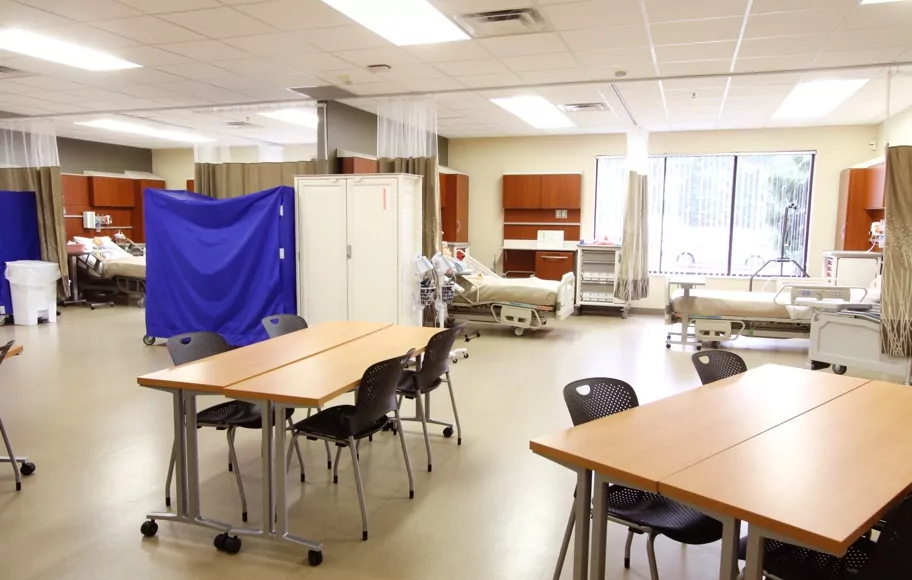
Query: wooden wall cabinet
561, 191
861, 199
119, 197
553, 265
522, 191
111, 191
454, 207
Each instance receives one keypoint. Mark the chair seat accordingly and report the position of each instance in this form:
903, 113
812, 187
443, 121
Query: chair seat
334, 423
233, 414
408, 385
790, 562
666, 516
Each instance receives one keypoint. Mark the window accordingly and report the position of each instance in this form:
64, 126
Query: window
715, 214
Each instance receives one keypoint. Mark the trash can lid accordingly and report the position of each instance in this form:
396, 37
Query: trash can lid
32, 264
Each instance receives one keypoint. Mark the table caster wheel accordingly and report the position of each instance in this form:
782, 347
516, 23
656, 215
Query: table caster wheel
314, 557
465, 355
148, 340
141, 303
699, 347
625, 314
149, 528
839, 369
518, 331
219, 541
454, 360
448, 432
667, 345
29, 468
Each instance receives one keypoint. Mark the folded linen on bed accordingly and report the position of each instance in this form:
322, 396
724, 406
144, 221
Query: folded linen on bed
533, 290
737, 304
129, 267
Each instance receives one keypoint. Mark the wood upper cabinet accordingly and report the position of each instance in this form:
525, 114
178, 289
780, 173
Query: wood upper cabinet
561, 191
111, 191
454, 207
877, 180
553, 265
522, 191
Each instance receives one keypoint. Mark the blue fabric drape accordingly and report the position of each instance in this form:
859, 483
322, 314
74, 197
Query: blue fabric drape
18, 235
215, 265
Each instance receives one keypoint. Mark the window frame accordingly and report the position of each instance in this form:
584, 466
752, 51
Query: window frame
733, 197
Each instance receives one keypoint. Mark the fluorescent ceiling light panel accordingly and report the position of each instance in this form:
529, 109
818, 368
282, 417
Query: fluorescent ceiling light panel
295, 116
536, 111
47, 48
817, 98
402, 22
146, 130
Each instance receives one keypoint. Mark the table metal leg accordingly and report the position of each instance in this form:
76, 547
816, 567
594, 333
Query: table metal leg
599, 529
731, 534
755, 545
581, 537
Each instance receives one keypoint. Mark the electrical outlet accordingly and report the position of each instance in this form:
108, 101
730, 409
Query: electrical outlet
560, 214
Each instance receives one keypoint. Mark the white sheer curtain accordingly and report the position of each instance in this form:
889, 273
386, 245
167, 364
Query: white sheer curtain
28, 143
633, 272
407, 143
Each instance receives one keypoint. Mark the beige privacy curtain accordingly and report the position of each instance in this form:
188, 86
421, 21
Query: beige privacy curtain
896, 293
407, 143
224, 180
633, 271
29, 162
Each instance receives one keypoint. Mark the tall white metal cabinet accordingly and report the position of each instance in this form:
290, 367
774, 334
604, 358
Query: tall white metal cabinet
358, 237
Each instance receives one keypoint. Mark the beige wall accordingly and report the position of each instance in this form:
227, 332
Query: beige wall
486, 160
896, 131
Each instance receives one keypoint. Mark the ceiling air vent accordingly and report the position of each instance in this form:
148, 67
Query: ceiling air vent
503, 22
583, 107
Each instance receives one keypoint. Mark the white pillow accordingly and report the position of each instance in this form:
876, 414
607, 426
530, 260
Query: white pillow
874, 291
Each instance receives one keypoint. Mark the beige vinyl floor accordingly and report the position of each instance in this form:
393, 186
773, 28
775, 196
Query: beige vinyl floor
490, 509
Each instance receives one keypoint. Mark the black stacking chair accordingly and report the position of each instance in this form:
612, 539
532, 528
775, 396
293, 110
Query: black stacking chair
227, 416
27, 467
641, 512
434, 370
889, 558
346, 425
280, 324
715, 365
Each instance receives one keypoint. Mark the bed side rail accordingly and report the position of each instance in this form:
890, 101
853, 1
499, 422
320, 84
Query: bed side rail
566, 296
477, 267
807, 294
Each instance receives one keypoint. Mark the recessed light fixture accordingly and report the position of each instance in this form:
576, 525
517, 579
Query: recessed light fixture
817, 98
47, 48
295, 116
536, 111
402, 22
146, 130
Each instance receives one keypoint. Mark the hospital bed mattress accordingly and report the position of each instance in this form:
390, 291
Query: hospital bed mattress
736, 304
534, 291
132, 267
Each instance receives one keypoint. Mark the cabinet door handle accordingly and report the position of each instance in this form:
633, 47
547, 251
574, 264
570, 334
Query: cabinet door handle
458, 226
348, 251
555, 257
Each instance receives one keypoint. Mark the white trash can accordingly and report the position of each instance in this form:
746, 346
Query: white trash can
33, 286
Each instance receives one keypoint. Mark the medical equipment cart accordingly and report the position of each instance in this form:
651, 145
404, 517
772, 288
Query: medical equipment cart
596, 274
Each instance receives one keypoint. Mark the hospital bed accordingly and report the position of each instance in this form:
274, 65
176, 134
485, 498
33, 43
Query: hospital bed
724, 315
519, 303
108, 267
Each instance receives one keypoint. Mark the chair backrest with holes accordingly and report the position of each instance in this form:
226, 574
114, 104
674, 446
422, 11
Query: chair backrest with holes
715, 365
193, 346
281, 324
590, 399
436, 359
377, 392
892, 556
5, 349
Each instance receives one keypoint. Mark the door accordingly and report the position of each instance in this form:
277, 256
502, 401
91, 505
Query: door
462, 208
522, 191
553, 265
322, 261
561, 191
373, 236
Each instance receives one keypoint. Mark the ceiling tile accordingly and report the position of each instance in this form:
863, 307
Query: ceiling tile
793, 22
472, 67
50, 83
524, 44
206, 50
14, 15
571, 94
150, 56
759, 92
218, 22
381, 88
59, 97
238, 83
392, 56
406, 72
148, 30
879, 15
296, 14
674, 10
198, 71
602, 38
768, 63
62, 108
495, 80
628, 71
594, 14
204, 91
346, 38
695, 84
144, 75
560, 60
696, 51
698, 67
568, 75
616, 57
97, 94
766, 80
312, 62
85, 10
782, 45
689, 31
466, 6
163, 6
13, 87
870, 38
450, 51
254, 67
432, 85
273, 44
857, 57
761, 6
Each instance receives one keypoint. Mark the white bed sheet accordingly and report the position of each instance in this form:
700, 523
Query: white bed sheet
739, 304
534, 291
130, 267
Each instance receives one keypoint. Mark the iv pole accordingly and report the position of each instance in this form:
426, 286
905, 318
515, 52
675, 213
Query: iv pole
782, 259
